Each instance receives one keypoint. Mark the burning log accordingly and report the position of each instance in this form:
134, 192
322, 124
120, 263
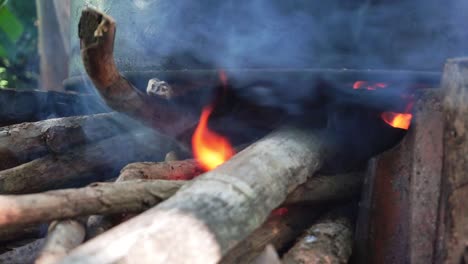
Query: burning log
26, 141
282, 228
97, 33
62, 237
209, 216
99, 198
104, 158
330, 240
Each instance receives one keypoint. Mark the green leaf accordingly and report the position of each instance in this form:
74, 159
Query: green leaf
3, 2
3, 52
10, 24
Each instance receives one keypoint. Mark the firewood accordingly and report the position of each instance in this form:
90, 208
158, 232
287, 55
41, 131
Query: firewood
268, 256
453, 216
99, 198
322, 188
62, 237
217, 210
280, 230
97, 32
34, 105
21, 232
26, 141
103, 159
330, 240
167, 170
23, 254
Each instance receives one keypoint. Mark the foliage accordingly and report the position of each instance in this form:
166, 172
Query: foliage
18, 44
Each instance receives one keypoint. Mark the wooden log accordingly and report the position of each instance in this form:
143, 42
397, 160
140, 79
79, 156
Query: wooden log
99, 198
96, 31
330, 240
280, 230
322, 188
268, 256
22, 232
33, 105
453, 214
167, 170
84, 164
26, 141
62, 237
24, 254
220, 208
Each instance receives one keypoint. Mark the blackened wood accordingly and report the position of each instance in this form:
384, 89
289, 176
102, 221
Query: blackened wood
32, 105
84, 164
26, 141
217, 210
24, 254
99, 198
453, 216
167, 170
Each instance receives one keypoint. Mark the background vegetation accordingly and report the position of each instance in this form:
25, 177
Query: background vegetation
19, 61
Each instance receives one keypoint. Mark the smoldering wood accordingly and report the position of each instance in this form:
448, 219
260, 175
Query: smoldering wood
98, 198
167, 170
453, 217
85, 164
280, 230
62, 237
97, 32
24, 254
33, 105
330, 240
24, 142
218, 209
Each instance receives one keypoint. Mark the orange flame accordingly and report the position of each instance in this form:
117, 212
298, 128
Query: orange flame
209, 148
368, 86
397, 120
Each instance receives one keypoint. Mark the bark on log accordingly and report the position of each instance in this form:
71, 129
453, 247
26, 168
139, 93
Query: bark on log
209, 216
21, 232
24, 254
453, 216
167, 170
96, 32
33, 105
26, 141
99, 198
62, 237
104, 159
280, 231
330, 240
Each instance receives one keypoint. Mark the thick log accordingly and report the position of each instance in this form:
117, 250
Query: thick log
32, 105
99, 198
453, 215
62, 237
26, 141
330, 240
97, 32
85, 164
280, 230
24, 254
218, 209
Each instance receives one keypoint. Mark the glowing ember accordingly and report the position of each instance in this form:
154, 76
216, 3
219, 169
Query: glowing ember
209, 148
397, 120
368, 85
280, 211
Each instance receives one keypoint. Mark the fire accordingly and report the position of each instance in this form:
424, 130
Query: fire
397, 120
209, 148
